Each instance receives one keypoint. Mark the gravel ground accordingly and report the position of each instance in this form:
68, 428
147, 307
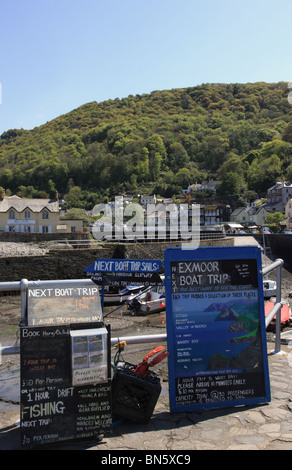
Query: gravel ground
8, 249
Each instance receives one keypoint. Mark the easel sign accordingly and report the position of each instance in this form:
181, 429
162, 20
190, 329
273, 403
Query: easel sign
65, 383
215, 327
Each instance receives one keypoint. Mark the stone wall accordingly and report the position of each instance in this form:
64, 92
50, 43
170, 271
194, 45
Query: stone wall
63, 264
18, 237
281, 246
69, 264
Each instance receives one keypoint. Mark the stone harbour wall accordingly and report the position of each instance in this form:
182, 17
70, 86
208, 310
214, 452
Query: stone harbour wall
69, 264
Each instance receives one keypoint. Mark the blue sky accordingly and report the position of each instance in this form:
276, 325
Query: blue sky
56, 55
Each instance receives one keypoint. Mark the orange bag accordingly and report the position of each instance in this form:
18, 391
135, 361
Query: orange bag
142, 367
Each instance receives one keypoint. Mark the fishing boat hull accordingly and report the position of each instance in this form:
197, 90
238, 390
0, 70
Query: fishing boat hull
121, 296
152, 301
154, 306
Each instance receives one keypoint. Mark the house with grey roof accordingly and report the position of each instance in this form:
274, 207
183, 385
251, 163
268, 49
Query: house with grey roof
249, 215
32, 215
240, 216
278, 196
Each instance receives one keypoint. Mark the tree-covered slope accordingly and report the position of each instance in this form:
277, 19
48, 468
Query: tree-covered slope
164, 140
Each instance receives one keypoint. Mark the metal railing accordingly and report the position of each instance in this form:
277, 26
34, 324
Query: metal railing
276, 310
13, 249
24, 284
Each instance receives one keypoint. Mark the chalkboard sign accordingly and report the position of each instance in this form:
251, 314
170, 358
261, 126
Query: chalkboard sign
124, 265
126, 279
215, 327
56, 304
52, 407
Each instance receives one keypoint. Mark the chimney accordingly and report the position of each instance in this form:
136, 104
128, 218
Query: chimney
2, 194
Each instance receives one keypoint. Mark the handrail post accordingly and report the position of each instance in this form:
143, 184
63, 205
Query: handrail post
23, 298
278, 315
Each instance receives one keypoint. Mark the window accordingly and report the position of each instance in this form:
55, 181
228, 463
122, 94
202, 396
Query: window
45, 229
11, 214
12, 228
27, 215
27, 229
73, 229
45, 215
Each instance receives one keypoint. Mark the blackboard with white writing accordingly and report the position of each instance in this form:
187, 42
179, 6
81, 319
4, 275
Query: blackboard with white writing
52, 409
126, 279
56, 304
215, 327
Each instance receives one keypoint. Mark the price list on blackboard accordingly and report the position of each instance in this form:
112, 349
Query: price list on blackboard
53, 304
215, 327
52, 407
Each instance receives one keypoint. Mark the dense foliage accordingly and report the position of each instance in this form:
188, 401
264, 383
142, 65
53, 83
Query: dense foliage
239, 134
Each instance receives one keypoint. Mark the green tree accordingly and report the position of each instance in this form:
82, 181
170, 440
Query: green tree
27, 191
233, 164
74, 198
289, 173
78, 213
183, 177
51, 187
188, 175
274, 218
287, 134
142, 168
6, 178
264, 173
155, 145
276, 147
232, 184
155, 166
177, 156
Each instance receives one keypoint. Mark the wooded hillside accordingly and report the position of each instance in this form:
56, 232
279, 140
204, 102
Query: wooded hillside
157, 143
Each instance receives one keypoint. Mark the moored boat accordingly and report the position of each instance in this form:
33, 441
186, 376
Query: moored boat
270, 288
151, 301
115, 298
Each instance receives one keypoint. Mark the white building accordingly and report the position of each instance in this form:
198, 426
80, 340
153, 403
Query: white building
144, 200
278, 196
249, 215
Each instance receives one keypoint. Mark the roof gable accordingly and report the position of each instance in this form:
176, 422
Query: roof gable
22, 204
238, 211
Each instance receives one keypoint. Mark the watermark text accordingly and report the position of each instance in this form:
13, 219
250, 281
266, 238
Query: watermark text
153, 221
290, 93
